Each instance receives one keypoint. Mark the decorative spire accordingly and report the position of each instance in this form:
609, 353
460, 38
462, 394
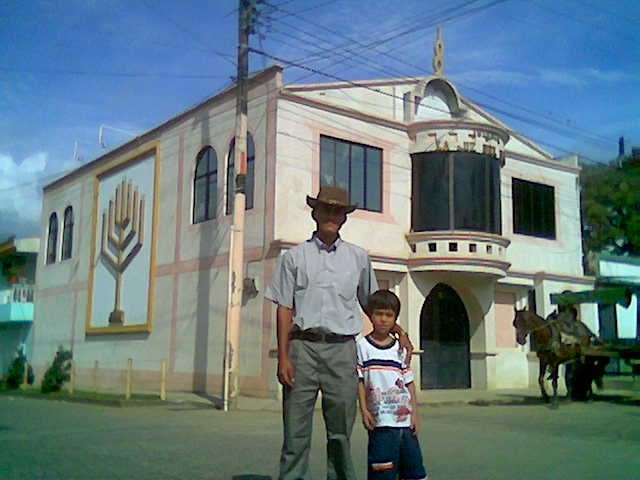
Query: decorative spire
438, 55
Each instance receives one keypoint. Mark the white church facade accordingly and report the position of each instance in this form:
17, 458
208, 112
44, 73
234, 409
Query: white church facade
463, 218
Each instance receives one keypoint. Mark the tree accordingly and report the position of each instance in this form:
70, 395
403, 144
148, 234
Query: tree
15, 375
58, 373
611, 207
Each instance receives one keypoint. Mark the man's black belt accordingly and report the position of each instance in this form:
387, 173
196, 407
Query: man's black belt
315, 336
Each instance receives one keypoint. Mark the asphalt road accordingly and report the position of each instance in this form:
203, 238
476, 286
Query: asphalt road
42, 439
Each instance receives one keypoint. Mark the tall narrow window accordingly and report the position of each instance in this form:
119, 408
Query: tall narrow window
67, 233
52, 238
355, 168
205, 185
250, 179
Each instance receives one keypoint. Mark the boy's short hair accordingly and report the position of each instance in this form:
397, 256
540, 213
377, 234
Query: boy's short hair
383, 300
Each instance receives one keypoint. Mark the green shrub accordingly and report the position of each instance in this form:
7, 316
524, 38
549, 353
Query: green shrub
15, 375
59, 371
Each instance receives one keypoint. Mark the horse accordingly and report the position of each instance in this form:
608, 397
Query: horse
550, 352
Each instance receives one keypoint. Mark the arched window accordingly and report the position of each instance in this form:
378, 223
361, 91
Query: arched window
52, 238
249, 185
205, 186
67, 233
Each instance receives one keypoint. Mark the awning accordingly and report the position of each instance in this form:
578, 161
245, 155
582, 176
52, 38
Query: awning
602, 295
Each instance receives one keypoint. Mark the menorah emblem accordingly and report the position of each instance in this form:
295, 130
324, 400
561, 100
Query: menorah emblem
122, 224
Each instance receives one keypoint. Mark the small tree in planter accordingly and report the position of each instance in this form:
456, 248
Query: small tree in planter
15, 375
58, 373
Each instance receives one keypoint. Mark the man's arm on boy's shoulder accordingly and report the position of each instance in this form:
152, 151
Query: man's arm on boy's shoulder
415, 414
404, 340
367, 419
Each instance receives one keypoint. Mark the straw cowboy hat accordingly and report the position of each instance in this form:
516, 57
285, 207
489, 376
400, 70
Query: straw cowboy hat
334, 196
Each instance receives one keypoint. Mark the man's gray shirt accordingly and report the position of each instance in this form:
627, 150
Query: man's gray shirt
324, 284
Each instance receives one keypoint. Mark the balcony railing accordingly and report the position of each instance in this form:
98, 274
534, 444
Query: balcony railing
16, 303
19, 293
461, 251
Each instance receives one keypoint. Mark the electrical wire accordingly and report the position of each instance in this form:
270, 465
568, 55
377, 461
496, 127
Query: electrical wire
565, 128
355, 84
34, 71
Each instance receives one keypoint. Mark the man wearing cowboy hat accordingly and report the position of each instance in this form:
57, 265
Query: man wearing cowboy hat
317, 286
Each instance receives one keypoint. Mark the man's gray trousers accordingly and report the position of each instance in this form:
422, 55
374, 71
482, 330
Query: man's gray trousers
331, 369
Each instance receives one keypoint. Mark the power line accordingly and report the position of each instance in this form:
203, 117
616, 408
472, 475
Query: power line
186, 30
34, 71
591, 25
355, 84
593, 136
566, 128
40, 180
61, 173
633, 21
414, 27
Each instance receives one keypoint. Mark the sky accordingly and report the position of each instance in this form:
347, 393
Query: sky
564, 74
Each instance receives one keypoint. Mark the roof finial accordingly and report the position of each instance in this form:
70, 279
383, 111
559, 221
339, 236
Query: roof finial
438, 55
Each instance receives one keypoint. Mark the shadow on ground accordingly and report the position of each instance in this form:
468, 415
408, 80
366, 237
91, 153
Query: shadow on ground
210, 402
519, 400
618, 399
250, 476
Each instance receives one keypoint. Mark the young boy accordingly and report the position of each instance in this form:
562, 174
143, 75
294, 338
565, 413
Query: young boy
387, 396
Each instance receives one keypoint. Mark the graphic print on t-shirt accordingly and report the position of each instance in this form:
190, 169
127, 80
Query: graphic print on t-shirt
386, 376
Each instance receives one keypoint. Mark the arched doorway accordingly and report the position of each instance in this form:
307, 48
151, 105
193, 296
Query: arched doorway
444, 337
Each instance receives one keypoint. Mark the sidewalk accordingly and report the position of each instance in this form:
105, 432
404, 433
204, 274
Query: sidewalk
615, 388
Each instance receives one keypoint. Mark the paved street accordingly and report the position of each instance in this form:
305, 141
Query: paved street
42, 439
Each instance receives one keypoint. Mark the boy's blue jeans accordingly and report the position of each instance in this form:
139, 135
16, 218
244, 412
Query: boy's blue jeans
394, 451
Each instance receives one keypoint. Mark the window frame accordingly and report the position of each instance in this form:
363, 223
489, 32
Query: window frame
249, 187
67, 234
52, 240
525, 220
440, 201
365, 174
211, 171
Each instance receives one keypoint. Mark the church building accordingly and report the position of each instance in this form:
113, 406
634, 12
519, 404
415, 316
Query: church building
463, 217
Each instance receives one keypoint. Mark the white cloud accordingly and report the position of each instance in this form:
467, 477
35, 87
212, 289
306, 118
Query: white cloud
576, 78
21, 195
493, 76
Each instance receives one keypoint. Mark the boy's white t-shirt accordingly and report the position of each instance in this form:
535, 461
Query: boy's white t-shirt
386, 375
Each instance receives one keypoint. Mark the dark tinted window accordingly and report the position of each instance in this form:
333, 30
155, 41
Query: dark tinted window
205, 185
52, 238
533, 209
67, 233
354, 167
456, 191
249, 185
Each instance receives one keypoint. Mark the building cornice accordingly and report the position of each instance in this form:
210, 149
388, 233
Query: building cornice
420, 125
19, 245
313, 87
555, 164
501, 124
424, 261
555, 277
349, 112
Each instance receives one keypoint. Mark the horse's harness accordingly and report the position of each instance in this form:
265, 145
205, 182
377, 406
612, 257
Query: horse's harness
546, 324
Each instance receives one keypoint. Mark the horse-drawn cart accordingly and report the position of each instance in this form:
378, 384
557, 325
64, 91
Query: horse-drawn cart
589, 366
562, 339
596, 356
630, 354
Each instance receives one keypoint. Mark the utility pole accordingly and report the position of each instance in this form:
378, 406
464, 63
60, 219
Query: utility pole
246, 11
